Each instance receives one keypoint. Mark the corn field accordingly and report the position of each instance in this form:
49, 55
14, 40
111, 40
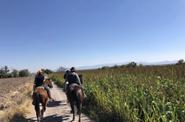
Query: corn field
140, 94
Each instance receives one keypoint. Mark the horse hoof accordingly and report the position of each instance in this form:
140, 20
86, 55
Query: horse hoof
38, 120
73, 120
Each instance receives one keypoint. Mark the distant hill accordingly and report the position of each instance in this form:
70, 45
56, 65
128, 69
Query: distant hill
119, 64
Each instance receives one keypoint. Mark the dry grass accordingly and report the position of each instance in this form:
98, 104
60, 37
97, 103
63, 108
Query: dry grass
16, 113
14, 103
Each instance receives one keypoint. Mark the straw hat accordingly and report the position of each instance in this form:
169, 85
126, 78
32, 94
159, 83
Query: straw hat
39, 71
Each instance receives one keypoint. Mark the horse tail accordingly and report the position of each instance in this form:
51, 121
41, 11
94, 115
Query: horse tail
37, 101
79, 100
79, 95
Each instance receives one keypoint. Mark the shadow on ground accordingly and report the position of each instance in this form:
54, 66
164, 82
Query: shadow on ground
18, 118
52, 118
54, 103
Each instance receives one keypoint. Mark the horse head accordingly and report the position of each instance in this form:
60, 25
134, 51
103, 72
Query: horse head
48, 82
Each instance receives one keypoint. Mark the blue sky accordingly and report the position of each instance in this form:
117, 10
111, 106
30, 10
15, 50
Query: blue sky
38, 34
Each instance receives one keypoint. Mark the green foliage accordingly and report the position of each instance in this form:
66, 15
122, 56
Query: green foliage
4, 72
15, 73
47, 71
57, 79
105, 67
181, 61
140, 94
24, 73
132, 64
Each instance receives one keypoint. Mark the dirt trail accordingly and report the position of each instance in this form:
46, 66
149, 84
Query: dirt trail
58, 110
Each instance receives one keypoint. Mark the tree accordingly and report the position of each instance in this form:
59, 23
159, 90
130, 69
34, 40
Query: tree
181, 61
4, 72
61, 69
105, 67
6, 69
132, 64
15, 73
115, 66
24, 73
47, 71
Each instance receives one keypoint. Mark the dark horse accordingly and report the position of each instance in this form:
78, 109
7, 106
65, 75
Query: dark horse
40, 95
76, 98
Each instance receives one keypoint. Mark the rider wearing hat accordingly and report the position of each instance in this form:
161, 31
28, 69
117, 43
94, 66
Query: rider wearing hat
39, 82
65, 78
73, 77
70, 78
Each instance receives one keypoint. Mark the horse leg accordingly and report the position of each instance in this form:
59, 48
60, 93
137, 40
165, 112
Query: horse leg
43, 108
79, 107
79, 96
37, 107
79, 111
37, 113
38, 116
79, 117
73, 109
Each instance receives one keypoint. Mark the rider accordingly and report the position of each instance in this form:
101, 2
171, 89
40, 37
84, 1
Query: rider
39, 82
66, 74
73, 77
66, 82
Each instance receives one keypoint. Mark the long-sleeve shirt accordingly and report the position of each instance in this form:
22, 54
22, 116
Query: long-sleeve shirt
39, 80
73, 78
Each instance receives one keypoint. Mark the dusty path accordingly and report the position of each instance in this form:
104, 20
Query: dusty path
58, 110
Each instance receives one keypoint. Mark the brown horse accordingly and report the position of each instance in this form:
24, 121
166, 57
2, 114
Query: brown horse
76, 98
40, 95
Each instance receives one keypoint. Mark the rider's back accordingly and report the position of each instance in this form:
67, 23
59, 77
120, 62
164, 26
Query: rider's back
73, 78
39, 80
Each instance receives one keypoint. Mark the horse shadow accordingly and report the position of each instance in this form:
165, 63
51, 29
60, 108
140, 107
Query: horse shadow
56, 103
55, 118
52, 118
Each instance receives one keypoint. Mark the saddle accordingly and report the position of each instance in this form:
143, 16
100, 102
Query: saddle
39, 87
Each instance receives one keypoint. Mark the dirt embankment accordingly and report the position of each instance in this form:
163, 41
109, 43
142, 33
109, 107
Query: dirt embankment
14, 96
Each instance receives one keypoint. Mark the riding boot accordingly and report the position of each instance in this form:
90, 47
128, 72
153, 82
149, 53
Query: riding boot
49, 95
67, 94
